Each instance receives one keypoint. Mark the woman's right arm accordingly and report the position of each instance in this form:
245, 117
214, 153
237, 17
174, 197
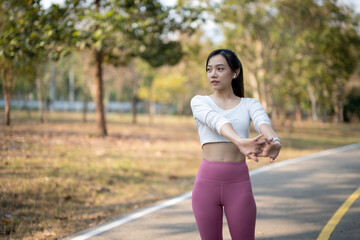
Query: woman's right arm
250, 147
204, 112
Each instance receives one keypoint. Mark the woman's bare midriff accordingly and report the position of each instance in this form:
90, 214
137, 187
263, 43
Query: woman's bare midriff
222, 152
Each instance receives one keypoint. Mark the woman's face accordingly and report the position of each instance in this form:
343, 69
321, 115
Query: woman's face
219, 72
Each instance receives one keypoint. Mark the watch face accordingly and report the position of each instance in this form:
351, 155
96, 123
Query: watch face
275, 139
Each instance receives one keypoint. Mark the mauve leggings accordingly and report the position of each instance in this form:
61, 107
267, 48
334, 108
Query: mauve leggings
225, 185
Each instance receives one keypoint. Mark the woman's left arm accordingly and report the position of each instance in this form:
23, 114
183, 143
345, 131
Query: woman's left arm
262, 125
273, 144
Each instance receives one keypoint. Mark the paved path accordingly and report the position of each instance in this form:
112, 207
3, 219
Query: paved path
295, 199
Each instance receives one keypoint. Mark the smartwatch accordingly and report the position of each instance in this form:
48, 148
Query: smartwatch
276, 139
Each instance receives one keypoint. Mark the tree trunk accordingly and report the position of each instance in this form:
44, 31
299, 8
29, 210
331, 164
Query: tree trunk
336, 107
298, 113
133, 108
298, 116
7, 87
324, 114
52, 87
341, 111
7, 111
261, 72
135, 99
28, 110
39, 95
151, 106
340, 101
100, 115
84, 107
313, 100
71, 85
253, 85
263, 97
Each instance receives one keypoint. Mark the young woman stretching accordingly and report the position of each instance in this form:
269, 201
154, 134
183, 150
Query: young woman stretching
223, 123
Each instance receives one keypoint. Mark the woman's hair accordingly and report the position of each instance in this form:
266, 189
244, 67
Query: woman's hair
234, 63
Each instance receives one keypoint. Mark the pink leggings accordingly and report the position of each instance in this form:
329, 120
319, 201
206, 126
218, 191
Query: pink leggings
225, 185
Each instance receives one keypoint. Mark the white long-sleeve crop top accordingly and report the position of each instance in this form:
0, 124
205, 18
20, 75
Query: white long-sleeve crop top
210, 118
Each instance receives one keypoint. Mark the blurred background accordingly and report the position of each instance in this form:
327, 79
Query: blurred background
300, 58
95, 116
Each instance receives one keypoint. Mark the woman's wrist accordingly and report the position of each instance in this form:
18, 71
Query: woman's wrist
239, 142
276, 139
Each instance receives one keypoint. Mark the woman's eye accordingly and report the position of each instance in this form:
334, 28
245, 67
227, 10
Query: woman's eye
220, 69
208, 70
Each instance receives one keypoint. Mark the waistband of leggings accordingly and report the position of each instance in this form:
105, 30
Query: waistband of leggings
223, 171
234, 164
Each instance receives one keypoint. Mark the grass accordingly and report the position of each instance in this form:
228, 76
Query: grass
58, 178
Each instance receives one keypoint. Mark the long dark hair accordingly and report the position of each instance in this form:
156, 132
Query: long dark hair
234, 63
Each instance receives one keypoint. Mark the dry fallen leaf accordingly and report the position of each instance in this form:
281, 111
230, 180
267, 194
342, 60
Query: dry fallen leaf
67, 198
5, 221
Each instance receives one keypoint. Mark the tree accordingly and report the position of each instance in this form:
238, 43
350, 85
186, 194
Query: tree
325, 47
29, 36
299, 22
10, 46
117, 31
250, 29
16, 43
341, 52
293, 50
178, 84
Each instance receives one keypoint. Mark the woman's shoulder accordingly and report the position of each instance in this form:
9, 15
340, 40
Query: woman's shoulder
200, 98
201, 101
249, 100
251, 103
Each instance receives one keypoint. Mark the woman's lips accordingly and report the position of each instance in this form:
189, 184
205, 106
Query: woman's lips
214, 82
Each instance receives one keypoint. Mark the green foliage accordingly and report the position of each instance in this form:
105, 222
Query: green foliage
294, 52
178, 84
30, 36
290, 48
28, 31
166, 88
122, 30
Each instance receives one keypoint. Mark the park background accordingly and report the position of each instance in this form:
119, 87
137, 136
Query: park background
96, 119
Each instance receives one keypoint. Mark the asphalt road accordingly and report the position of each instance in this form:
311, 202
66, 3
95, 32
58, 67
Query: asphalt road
295, 200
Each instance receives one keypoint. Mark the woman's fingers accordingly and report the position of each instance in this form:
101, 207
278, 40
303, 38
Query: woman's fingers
253, 157
258, 151
260, 148
260, 155
261, 143
258, 137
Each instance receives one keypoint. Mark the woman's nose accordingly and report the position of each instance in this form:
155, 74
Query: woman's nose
213, 73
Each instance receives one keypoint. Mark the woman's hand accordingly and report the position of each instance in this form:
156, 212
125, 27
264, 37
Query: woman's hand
252, 147
271, 149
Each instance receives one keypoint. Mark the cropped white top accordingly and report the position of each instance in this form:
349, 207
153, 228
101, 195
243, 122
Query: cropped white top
210, 118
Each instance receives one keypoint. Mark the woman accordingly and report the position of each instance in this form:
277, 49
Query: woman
223, 122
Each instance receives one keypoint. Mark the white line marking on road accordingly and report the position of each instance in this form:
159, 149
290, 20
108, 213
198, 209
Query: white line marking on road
132, 217
180, 198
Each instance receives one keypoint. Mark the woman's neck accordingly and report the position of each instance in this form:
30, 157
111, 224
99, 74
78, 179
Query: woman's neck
225, 94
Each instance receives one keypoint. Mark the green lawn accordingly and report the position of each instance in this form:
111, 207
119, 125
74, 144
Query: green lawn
58, 178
